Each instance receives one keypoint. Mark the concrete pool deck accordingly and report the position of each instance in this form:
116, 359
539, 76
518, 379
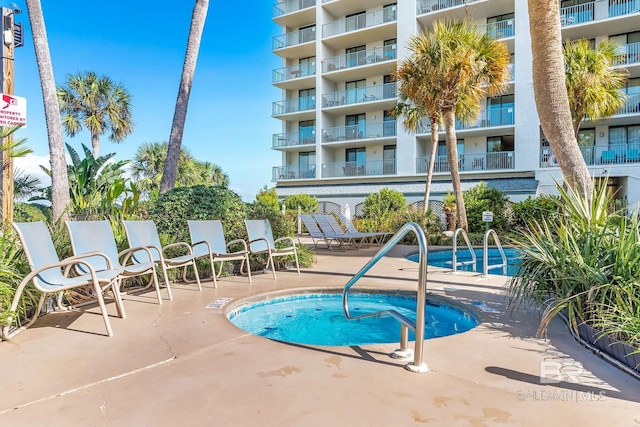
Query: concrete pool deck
181, 363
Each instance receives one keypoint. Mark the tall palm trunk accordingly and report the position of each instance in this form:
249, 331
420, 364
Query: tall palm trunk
550, 93
435, 123
449, 116
59, 180
188, 70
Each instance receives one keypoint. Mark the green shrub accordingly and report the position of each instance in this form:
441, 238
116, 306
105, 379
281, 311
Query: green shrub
268, 197
307, 203
173, 209
31, 212
428, 221
534, 209
380, 210
482, 198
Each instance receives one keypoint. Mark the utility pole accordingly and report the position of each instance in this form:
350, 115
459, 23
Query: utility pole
9, 42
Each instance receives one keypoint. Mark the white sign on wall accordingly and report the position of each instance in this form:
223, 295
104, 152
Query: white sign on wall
13, 110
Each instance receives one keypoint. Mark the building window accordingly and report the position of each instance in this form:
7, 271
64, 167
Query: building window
501, 26
307, 66
306, 99
389, 12
388, 124
355, 21
389, 49
355, 91
356, 56
500, 111
307, 130
356, 161
307, 33
629, 135
389, 160
496, 144
355, 126
307, 164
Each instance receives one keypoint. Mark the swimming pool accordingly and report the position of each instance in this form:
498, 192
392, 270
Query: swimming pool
443, 259
317, 318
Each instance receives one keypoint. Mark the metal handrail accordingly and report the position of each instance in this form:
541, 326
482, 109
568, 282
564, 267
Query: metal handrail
454, 254
485, 254
405, 324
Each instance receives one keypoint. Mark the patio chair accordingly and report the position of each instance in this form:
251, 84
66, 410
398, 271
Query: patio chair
325, 224
261, 241
207, 240
50, 275
97, 236
375, 236
609, 156
145, 234
318, 235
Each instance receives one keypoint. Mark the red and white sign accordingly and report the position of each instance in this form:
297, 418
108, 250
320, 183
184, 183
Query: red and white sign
13, 110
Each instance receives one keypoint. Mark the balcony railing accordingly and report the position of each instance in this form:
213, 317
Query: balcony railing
628, 54
428, 6
368, 168
588, 12
281, 173
356, 59
632, 105
470, 162
292, 139
619, 153
362, 131
356, 96
293, 72
294, 38
490, 118
358, 22
290, 6
294, 105
500, 29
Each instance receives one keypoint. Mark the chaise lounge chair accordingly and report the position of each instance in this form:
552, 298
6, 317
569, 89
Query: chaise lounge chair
207, 240
317, 235
261, 241
145, 234
97, 236
50, 275
328, 225
375, 237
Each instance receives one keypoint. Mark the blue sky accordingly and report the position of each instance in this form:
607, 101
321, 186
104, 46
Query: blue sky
141, 44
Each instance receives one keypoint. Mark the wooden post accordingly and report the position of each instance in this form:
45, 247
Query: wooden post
6, 178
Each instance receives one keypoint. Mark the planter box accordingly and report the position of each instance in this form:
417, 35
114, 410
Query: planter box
608, 345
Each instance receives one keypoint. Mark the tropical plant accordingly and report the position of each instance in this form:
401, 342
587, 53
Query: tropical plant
550, 92
585, 262
306, 203
534, 209
149, 162
59, 182
198, 18
268, 197
481, 198
25, 185
10, 149
593, 85
453, 70
31, 212
97, 104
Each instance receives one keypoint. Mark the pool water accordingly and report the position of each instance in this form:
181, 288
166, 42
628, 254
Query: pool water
443, 259
319, 319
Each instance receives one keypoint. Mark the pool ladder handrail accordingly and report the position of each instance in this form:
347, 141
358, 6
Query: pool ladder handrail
454, 253
405, 324
485, 254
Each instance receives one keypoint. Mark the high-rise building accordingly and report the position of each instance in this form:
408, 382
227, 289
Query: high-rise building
340, 142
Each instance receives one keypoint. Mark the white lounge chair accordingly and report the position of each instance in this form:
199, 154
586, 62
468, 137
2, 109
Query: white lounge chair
145, 234
318, 235
261, 241
97, 236
50, 275
207, 240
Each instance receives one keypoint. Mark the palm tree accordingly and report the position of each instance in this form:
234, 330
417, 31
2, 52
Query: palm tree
454, 69
593, 86
97, 104
9, 150
550, 93
180, 115
25, 185
59, 181
212, 174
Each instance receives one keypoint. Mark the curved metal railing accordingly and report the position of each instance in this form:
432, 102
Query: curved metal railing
454, 253
485, 254
405, 323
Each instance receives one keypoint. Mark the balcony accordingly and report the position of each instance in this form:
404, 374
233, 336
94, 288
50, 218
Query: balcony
632, 106
294, 105
597, 10
613, 154
357, 59
490, 118
294, 38
293, 139
499, 30
283, 173
359, 169
358, 22
386, 129
292, 72
291, 6
628, 54
429, 6
360, 95
470, 162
